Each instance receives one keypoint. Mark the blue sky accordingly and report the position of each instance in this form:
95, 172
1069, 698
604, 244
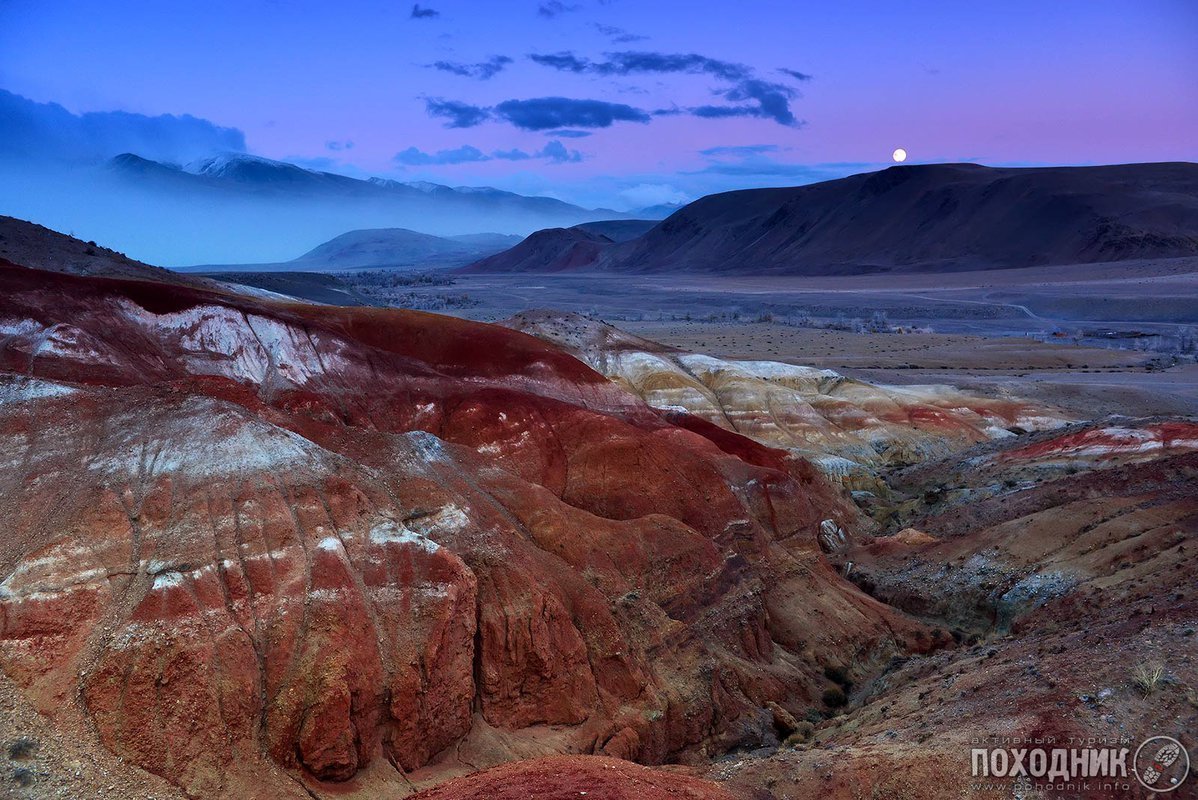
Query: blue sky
622, 103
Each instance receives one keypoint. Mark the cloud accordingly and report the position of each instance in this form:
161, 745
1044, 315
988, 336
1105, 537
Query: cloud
543, 113
638, 62
756, 164
554, 8
484, 70
424, 13
794, 73
740, 150
567, 133
653, 194
557, 152
617, 35
459, 114
336, 145
766, 99
566, 62
772, 99
47, 131
462, 155
553, 151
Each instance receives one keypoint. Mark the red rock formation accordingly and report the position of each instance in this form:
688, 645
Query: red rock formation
848, 428
251, 544
562, 777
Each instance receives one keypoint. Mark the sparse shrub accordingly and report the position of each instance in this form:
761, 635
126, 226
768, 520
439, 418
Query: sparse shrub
23, 776
21, 748
1147, 676
835, 697
814, 716
802, 734
838, 674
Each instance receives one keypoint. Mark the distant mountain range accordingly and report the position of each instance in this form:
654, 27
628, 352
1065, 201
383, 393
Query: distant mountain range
391, 248
941, 217
244, 209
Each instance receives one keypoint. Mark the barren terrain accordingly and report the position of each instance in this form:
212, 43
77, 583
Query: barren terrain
259, 547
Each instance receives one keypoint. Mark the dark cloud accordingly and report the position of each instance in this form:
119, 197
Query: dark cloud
567, 133
724, 112
794, 73
459, 114
772, 99
47, 131
544, 113
336, 145
424, 13
554, 8
637, 62
553, 151
758, 98
484, 70
617, 35
566, 62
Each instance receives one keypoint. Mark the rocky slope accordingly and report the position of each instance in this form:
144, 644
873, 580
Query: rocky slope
850, 429
265, 549
933, 217
1062, 569
37, 247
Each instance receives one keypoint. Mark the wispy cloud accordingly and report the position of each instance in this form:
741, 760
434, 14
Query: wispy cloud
483, 70
640, 62
740, 150
423, 12
459, 114
553, 151
555, 8
794, 73
616, 34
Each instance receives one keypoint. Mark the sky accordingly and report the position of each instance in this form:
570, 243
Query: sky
616, 103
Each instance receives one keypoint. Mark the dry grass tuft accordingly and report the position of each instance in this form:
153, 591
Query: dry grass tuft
1147, 676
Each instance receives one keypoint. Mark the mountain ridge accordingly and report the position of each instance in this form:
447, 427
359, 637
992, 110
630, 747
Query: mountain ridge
935, 217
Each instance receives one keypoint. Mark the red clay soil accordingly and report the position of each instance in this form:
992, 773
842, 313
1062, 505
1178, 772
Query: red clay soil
573, 777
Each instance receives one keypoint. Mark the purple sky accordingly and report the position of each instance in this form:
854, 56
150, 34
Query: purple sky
999, 83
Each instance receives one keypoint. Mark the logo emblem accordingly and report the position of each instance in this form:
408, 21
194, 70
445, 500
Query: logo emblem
1161, 764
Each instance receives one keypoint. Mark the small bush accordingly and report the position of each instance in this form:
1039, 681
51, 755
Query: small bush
835, 697
838, 675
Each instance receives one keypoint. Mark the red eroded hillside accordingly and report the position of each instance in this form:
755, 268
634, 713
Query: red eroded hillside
264, 549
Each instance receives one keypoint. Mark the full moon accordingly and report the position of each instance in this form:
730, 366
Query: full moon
899, 155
